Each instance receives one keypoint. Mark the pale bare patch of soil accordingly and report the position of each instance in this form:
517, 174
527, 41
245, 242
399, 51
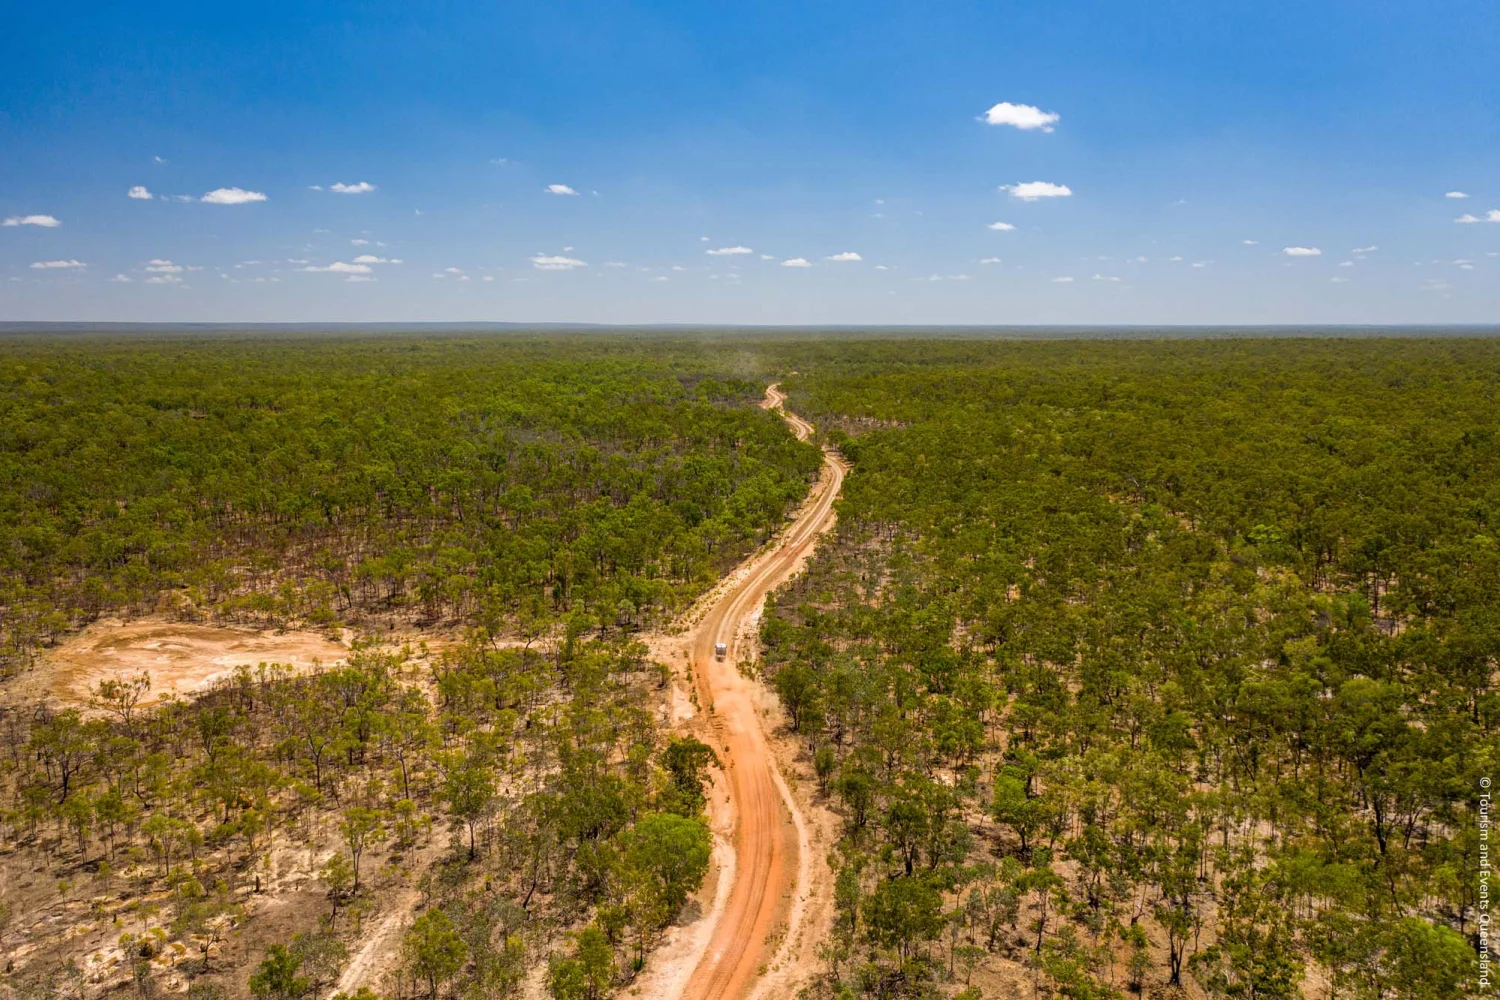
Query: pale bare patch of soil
180, 658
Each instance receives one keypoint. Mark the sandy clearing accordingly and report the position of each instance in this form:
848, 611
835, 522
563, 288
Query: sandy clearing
180, 658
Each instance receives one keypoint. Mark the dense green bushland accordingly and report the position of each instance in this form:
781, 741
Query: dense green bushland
324, 479
1147, 663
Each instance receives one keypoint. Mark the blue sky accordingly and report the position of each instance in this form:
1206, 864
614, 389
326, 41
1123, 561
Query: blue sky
1198, 142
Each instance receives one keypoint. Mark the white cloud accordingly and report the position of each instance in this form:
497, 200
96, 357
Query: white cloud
1493, 215
1302, 251
58, 265
660, 277
232, 196
121, 279
559, 189
1346, 263
359, 277
615, 263
1063, 280
1022, 116
1000, 227
1201, 263
359, 243
1105, 277
554, 262
158, 159
339, 267
1435, 285
454, 270
1464, 219
1371, 249
139, 193
767, 256
1455, 194
158, 265
358, 187
1174, 260
728, 251
846, 256
1250, 243
369, 258
1338, 279
164, 279
1033, 190
796, 262
990, 260
45, 221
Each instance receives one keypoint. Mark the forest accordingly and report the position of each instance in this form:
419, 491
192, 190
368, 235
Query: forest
1132, 667
1153, 667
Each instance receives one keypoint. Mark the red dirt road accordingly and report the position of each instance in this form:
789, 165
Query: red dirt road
767, 827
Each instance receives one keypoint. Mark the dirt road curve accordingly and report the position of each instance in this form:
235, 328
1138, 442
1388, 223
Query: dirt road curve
769, 834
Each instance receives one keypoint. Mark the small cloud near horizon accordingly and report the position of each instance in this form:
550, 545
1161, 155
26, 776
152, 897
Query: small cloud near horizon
1026, 117
339, 267
45, 221
232, 196
1036, 190
555, 262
